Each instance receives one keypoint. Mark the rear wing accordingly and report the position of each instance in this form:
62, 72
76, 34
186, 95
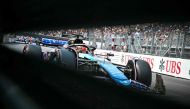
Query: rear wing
55, 42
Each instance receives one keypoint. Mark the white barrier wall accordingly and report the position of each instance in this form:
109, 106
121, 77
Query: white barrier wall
170, 66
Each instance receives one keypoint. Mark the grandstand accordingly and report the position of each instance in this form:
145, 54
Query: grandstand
169, 40
154, 39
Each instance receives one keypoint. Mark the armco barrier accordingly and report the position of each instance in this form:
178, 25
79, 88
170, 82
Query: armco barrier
169, 66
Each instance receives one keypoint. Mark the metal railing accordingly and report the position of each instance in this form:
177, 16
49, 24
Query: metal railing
174, 45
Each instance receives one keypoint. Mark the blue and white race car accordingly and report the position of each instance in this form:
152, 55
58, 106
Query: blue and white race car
136, 74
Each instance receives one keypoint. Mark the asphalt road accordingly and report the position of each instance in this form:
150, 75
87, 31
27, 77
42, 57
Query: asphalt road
176, 89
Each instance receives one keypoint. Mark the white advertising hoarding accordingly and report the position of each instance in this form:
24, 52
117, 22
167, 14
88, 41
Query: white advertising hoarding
169, 66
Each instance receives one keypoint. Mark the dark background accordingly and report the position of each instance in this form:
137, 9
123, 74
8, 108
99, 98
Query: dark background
34, 14
66, 88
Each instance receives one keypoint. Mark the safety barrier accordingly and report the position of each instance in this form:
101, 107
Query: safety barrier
176, 67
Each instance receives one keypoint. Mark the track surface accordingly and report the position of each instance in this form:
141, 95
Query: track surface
177, 89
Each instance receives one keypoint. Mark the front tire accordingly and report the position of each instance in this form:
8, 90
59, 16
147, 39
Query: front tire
141, 71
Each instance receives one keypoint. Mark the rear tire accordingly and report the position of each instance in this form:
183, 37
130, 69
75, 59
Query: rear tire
68, 58
33, 51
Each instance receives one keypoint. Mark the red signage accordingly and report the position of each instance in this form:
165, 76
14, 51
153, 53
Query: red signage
173, 66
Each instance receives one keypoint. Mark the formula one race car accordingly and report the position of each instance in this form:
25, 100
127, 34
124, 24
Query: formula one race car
137, 73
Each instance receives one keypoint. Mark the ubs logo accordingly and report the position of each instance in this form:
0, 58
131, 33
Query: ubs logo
170, 66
